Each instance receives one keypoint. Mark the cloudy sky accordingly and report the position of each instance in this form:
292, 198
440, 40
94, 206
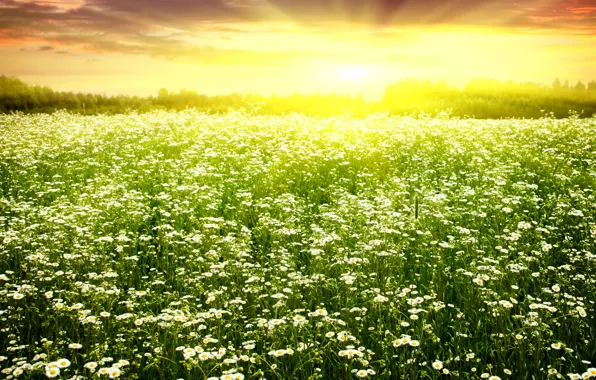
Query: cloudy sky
284, 46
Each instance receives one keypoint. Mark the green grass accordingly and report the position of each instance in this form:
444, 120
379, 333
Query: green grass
297, 248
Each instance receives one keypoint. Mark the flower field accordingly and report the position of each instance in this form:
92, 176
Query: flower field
191, 246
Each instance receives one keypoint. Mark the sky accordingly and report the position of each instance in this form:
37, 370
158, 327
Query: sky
285, 46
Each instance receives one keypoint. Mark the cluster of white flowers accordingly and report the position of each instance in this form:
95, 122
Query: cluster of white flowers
188, 245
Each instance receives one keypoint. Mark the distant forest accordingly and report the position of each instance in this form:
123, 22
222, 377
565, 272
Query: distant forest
480, 98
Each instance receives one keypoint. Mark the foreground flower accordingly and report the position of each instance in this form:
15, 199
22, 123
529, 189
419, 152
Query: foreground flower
91, 365
103, 371
113, 372
63, 363
52, 371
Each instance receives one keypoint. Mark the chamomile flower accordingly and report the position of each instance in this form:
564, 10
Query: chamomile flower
63, 363
113, 372
91, 365
52, 372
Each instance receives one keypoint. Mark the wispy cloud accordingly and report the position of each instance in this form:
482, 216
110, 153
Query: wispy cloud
195, 30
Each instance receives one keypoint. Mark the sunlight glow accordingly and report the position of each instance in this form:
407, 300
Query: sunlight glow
353, 73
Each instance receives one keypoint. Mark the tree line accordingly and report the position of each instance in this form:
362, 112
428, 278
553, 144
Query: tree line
480, 98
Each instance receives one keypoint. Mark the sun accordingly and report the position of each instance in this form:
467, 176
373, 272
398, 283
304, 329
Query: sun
353, 73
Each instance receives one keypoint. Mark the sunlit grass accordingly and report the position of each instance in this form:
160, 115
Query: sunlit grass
185, 245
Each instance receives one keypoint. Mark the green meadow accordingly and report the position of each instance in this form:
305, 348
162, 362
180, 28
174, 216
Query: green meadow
186, 245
